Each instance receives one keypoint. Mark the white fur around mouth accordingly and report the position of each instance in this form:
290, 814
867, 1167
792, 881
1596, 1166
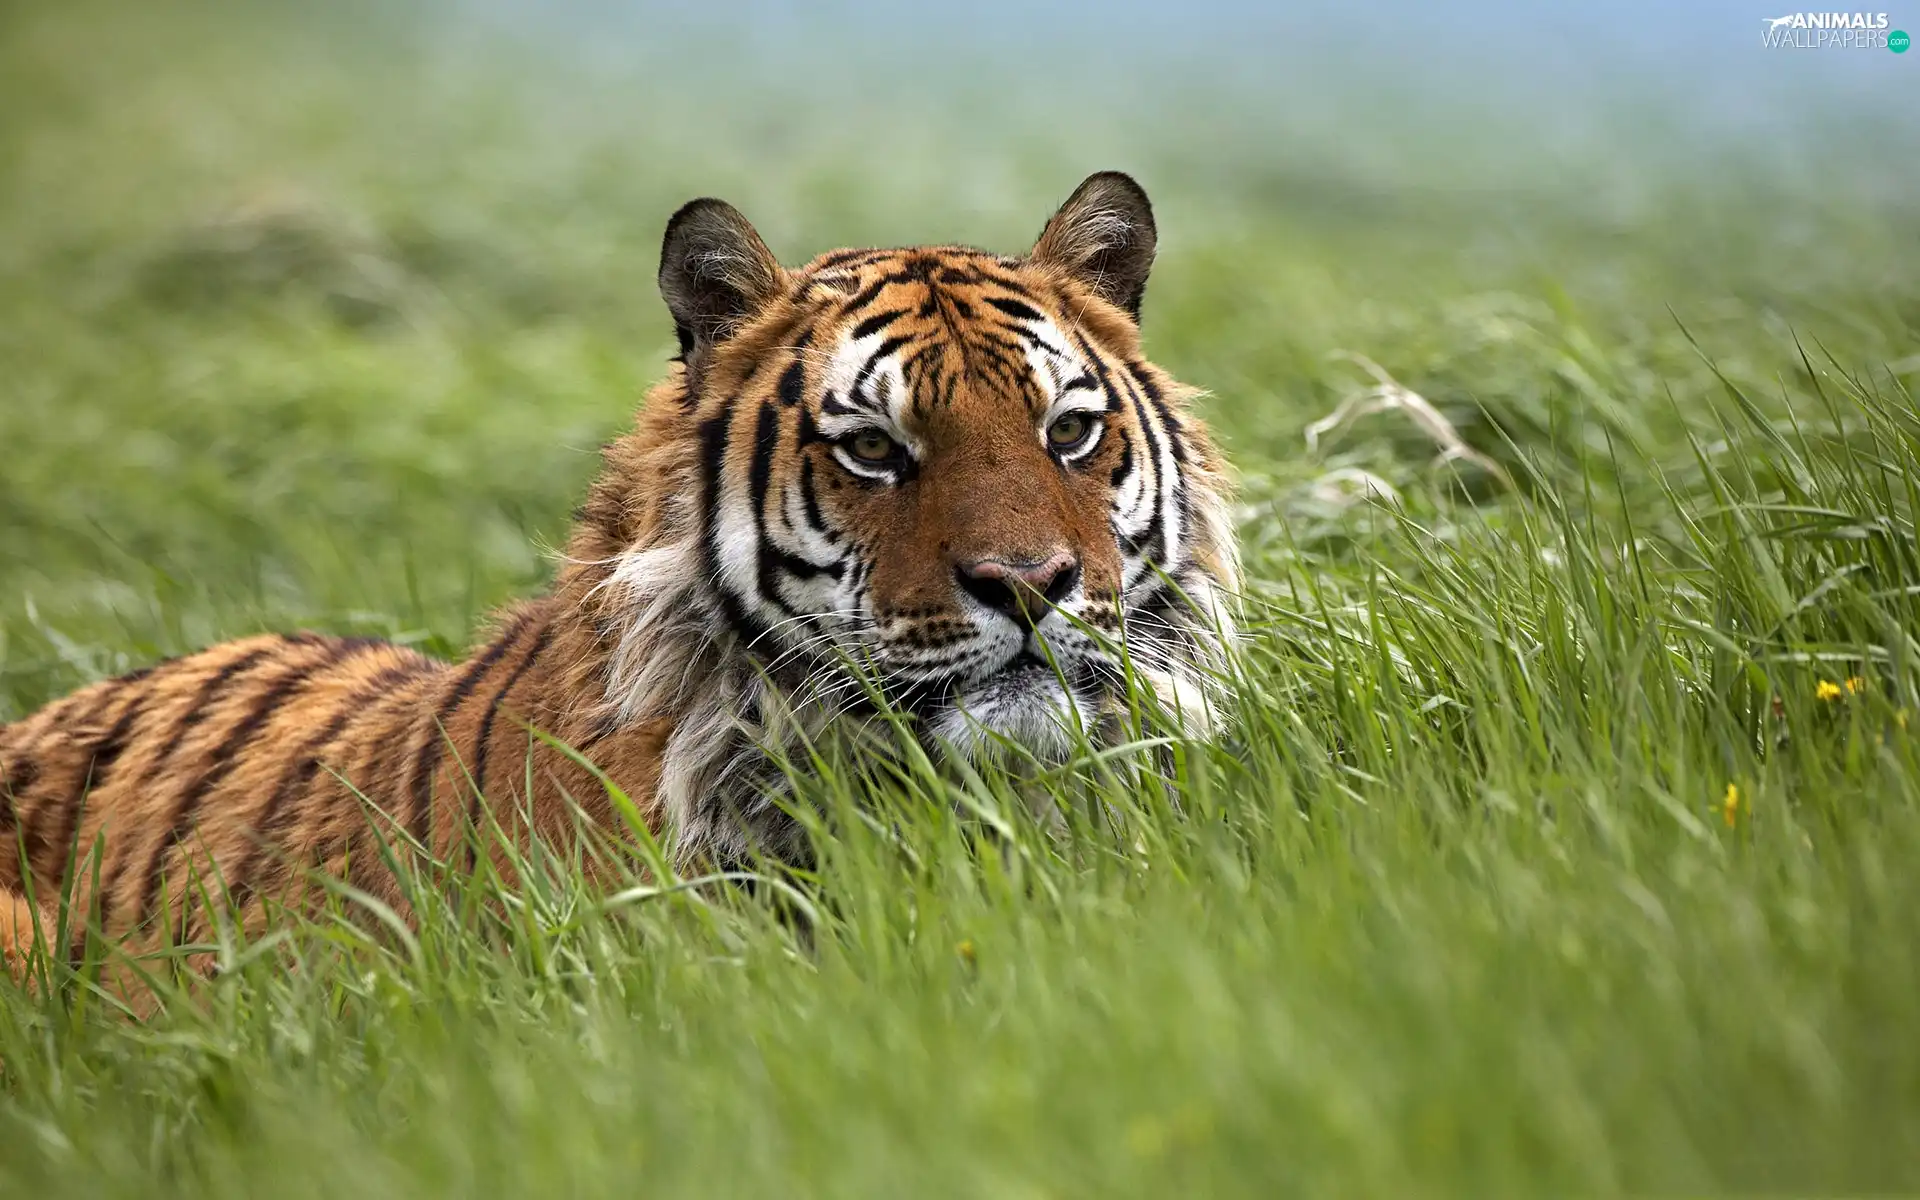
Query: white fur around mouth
1026, 704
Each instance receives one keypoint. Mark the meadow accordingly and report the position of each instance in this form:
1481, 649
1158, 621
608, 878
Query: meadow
1562, 837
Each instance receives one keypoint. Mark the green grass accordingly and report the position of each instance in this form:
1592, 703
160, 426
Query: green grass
1457, 907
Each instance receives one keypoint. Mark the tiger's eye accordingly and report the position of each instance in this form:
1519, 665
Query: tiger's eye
871, 445
1069, 431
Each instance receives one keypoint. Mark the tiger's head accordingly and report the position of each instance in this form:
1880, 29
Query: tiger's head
949, 471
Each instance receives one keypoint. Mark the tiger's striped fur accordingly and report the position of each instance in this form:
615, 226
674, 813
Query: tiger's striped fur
858, 464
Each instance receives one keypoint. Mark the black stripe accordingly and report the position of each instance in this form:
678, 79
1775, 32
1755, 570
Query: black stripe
793, 384
865, 295
1172, 485
914, 272
806, 432
22, 778
1014, 308
373, 796
1015, 349
955, 276
998, 272
13, 789
713, 460
106, 752
793, 564
1154, 525
802, 568
1142, 544
196, 712
225, 757
842, 257
267, 826
112, 691
766, 440
1124, 467
240, 878
1031, 336
1162, 410
103, 754
875, 323
921, 362
485, 739
810, 502
873, 362
421, 788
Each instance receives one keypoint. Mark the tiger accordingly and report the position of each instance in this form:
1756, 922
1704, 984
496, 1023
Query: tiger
938, 478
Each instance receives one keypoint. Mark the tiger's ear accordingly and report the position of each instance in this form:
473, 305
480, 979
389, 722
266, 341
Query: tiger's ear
715, 273
1103, 237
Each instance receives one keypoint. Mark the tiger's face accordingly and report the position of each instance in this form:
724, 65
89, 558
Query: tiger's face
951, 472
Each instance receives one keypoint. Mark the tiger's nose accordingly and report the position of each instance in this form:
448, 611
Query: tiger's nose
1020, 588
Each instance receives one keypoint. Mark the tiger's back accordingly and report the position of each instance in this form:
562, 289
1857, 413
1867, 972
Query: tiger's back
228, 775
183, 763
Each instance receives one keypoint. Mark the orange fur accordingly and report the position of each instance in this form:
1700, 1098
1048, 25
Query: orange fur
228, 771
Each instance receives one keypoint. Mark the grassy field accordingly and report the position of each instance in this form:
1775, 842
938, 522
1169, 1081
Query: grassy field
1564, 838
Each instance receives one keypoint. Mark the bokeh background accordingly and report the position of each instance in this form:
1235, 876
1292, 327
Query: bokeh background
300, 299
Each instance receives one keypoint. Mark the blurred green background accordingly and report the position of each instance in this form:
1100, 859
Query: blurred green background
316, 316
302, 301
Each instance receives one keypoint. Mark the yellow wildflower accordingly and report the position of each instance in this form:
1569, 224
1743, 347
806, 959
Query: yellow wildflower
1730, 806
1826, 689
966, 952
1855, 685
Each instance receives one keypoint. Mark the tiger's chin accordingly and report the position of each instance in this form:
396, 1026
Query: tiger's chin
1024, 709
